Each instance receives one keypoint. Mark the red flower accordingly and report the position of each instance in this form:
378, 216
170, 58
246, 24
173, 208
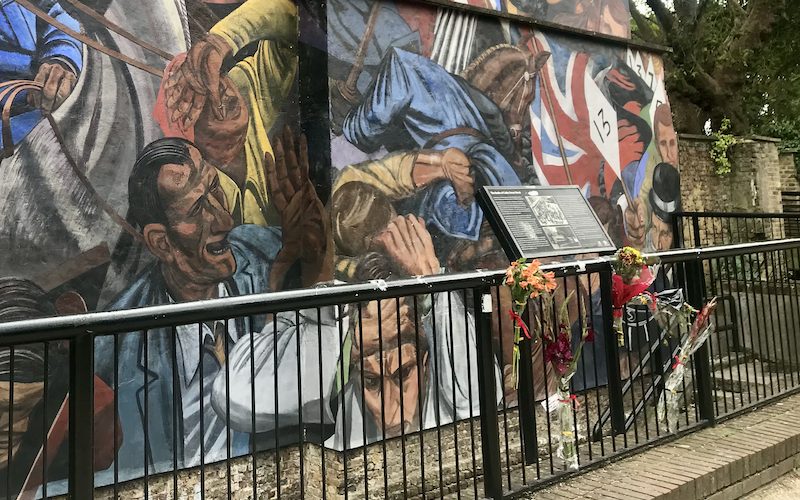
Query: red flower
590, 333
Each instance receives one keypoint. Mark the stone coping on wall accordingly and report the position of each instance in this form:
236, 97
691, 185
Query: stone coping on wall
754, 138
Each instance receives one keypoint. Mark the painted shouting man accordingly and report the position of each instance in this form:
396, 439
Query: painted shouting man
165, 376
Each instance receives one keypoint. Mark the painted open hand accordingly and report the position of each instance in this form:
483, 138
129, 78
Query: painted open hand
634, 221
451, 164
304, 225
57, 81
196, 80
407, 241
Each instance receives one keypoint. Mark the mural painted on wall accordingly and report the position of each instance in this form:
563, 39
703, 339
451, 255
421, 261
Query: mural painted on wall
153, 156
428, 105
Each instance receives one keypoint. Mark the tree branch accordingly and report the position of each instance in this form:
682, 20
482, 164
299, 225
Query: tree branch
759, 21
645, 29
664, 17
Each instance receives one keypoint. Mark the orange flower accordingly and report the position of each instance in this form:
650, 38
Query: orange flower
509, 280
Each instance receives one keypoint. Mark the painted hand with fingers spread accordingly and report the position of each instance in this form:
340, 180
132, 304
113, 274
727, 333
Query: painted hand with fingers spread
197, 80
635, 223
57, 81
407, 241
452, 165
304, 224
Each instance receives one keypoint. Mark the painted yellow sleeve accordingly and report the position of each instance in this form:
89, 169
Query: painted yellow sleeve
264, 79
391, 175
257, 20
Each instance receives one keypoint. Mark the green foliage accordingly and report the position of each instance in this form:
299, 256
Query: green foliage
723, 141
730, 59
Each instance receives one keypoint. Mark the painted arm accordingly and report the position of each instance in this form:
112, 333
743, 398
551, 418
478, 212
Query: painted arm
308, 344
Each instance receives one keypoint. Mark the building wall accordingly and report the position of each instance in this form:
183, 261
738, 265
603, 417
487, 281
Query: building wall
421, 106
759, 172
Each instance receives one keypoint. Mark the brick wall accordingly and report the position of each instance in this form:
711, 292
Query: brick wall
759, 173
789, 171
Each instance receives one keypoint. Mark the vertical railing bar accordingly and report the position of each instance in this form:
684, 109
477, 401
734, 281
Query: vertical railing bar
701, 360
363, 397
436, 389
453, 384
469, 391
750, 288
10, 437
760, 354
596, 373
526, 401
420, 392
402, 398
767, 310
277, 404
341, 383
740, 321
504, 402
788, 310
710, 342
383, 398
201, 400
81, 417
300, 424
175, 424
735, 337
490, 439
769, 264
792, 292
322, 448
45, 425
228, 445
253, 442
547, 388
116, 413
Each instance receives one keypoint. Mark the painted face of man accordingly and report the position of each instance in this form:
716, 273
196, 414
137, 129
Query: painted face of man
661, 234
196, 245
667, 144
394, 367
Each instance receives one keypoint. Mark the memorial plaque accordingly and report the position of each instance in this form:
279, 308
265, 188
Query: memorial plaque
538, 221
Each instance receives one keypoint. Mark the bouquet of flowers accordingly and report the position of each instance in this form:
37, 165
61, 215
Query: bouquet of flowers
526, 281
557, 340
699, 331
632, 277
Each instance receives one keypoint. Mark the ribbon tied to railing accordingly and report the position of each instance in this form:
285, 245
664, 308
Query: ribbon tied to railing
520, 323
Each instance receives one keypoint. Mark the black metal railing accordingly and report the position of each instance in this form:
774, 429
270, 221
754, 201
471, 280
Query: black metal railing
380, 390
702, 229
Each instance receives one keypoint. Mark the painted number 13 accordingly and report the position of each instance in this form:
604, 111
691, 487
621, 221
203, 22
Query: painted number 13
606, 126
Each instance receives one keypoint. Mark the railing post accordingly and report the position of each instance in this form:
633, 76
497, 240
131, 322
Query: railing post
678, 238
526, 400
490, 433
81, 418
695, 295
696, 231
615, 402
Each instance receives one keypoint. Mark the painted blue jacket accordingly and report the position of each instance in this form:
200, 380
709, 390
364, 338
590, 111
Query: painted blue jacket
26, 43
411, 102
254, 248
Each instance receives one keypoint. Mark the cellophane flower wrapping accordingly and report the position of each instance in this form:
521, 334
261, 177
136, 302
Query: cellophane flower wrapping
567, 429
668, 410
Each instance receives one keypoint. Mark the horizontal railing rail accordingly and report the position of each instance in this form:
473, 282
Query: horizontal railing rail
111, 322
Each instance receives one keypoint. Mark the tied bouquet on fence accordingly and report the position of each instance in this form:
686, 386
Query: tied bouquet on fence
699, 331
558, 351
526, 281
632, 277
